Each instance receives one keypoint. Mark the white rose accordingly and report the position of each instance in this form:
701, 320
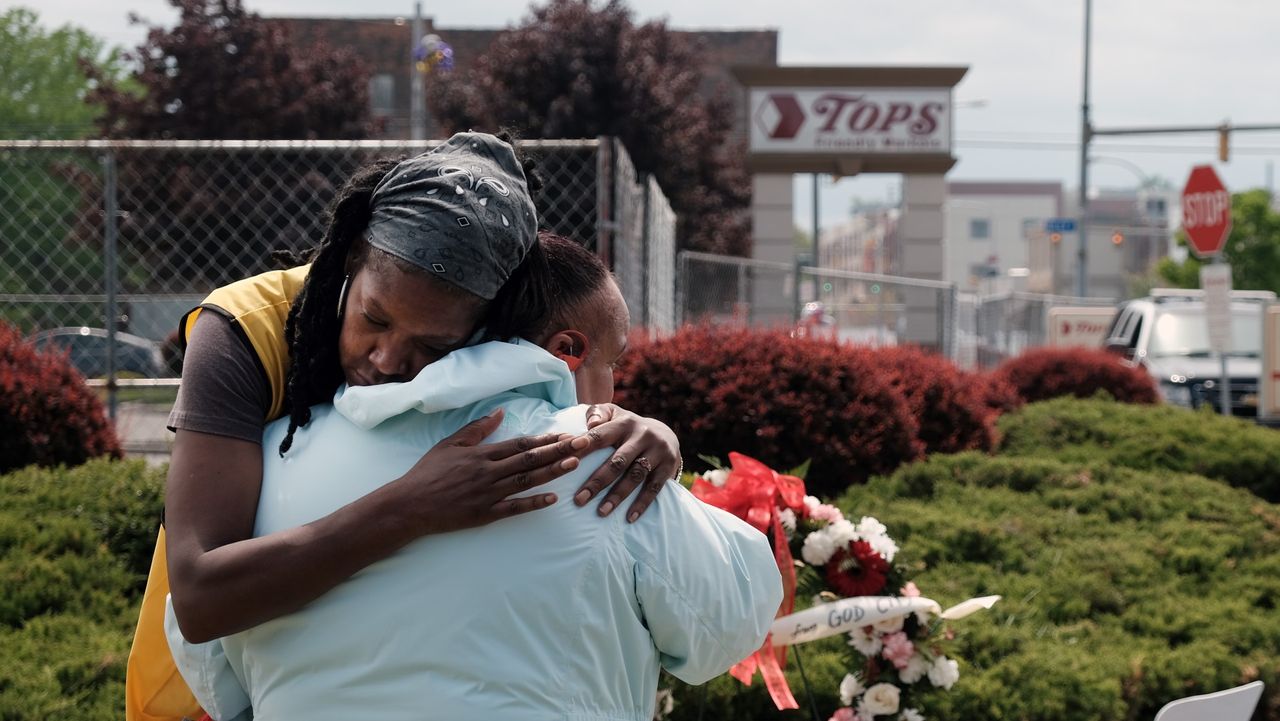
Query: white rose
868, 644
716, 477
910, 714
884, 546
916, 669
788, 519
850, 688
889, 625
868, 527
880, 700
944, 672
817, 549
842, 533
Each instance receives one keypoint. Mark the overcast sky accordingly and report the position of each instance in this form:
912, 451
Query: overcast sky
1155, 62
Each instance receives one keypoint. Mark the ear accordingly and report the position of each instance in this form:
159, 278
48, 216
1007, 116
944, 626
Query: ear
570, 346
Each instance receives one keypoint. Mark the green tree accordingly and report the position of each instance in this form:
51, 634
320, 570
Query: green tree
1252, 249
44, 77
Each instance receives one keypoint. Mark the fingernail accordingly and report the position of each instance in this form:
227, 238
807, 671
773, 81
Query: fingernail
568, 464
582, 497
580, 442
606, 508
632, 518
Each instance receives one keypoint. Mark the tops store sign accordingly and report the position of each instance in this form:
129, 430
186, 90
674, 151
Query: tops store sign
852, 120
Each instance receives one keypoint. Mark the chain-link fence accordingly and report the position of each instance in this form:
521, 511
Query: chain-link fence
866, 308
994, 327
126, 235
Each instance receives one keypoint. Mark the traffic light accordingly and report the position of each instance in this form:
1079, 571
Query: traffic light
1117, 238
1055, 238
1224, 144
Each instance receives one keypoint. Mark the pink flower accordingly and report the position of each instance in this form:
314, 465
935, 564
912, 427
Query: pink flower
910, 589
843, 714
825, 512
898, 649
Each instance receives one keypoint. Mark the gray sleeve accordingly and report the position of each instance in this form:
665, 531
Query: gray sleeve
224, 390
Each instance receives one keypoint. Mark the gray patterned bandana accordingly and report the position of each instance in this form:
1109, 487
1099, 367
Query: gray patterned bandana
462, 212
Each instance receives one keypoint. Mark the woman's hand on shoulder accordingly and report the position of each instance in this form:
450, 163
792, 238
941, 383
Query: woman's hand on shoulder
648, 455
462, 483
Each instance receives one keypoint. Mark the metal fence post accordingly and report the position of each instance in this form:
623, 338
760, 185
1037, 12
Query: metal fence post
110, 272
949, 337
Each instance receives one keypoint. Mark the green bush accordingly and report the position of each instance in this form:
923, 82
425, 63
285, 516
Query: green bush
1232, 450
75, 546
1123, 589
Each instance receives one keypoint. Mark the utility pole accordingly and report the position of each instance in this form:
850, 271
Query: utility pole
417, 99
1086, 135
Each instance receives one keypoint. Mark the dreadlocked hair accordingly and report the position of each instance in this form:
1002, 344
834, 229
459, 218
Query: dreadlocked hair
312, 329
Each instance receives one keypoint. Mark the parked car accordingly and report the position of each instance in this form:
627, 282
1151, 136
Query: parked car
1168, 334
87, 348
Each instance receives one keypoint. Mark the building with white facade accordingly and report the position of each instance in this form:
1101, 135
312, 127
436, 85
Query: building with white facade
995, 238
998, 238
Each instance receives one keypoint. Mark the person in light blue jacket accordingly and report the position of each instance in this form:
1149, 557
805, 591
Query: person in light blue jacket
553, 615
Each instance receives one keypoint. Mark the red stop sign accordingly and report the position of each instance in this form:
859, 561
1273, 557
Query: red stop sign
1206, 211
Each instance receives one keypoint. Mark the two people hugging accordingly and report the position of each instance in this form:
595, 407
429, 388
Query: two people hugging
332, 570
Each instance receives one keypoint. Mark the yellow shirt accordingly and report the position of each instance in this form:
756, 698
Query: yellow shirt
154, 691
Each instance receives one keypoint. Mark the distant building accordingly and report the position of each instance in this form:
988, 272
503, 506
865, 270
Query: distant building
387, 47
993, 228
1129, 232
997, 240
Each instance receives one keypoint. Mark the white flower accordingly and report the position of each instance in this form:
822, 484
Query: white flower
884, 546
666, 703
880, 700
944, 672
817, 549
788, 518
842, 533
924, 617
868, 527
916, 669
868, 644
889, 625
716, 477
812, 502
910, 714
850, 688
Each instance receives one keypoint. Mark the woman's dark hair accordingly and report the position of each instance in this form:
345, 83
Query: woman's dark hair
546, 290
313, 326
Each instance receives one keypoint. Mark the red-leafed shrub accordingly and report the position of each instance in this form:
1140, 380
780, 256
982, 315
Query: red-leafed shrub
47, 414
1043, 373
780, 399
951, 411
997, 393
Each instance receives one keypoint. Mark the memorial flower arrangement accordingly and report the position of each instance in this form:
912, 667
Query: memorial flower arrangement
896, 638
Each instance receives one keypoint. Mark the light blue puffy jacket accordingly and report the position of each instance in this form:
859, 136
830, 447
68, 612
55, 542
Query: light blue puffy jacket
557, 614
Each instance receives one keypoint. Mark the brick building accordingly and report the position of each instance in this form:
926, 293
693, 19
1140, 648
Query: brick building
387, 43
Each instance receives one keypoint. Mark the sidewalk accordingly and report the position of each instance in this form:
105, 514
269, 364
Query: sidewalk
142, 432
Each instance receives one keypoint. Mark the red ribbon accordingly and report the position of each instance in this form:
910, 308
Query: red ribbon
755, 493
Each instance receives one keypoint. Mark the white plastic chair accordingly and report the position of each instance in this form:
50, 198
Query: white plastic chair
1234, 704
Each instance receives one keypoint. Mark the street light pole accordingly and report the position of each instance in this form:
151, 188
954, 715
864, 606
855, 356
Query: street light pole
417, 99
1086, 135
